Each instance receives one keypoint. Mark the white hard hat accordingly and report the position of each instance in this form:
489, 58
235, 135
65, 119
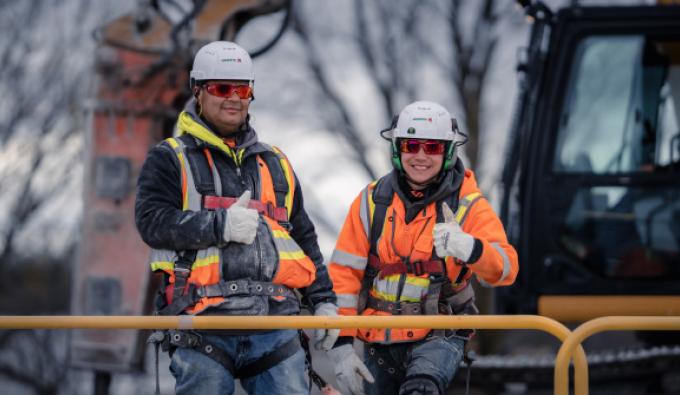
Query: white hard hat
222, 60
424, 120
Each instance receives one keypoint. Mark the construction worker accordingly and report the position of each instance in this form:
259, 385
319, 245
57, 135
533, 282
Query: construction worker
409, 246
224, 216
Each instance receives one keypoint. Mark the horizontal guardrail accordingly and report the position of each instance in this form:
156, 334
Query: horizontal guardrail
534, 322
597, 325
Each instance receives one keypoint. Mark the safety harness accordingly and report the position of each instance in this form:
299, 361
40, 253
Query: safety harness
443, 296
207, 184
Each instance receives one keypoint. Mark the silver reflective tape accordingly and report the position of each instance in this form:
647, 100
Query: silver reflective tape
343, 258
347, 300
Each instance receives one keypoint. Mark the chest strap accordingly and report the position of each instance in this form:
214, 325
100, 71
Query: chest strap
279, 214
417, 268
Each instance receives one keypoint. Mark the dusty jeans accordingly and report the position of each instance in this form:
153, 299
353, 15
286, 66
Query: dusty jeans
436, 357
195, 373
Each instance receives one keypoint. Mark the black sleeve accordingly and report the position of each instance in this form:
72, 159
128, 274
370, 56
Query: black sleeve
158, 207
321, 290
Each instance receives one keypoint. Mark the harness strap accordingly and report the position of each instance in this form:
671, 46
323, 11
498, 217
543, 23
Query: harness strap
232, 288
182, 339
182, 271
395, 308
279, 214
269, 360
382, 197
224, 289
417, 268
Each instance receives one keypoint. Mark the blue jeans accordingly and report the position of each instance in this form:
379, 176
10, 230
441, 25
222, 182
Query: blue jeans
436, 357
195, 373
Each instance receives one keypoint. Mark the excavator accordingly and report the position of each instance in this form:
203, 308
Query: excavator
591, 182
590, 188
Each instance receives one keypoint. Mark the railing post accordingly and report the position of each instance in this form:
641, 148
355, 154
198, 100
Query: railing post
594, 326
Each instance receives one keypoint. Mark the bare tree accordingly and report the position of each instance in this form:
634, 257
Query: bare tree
401, 46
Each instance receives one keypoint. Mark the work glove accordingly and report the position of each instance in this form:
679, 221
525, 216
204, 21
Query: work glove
241, 222
325, 338
350, 372
449, 238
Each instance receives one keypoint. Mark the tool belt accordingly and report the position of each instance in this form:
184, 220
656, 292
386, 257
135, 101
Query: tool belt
225, 289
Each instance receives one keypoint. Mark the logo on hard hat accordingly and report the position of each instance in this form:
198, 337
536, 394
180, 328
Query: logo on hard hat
423, 119
228, 60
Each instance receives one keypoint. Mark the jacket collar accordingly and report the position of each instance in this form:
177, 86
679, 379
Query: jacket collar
190, 123
449, 184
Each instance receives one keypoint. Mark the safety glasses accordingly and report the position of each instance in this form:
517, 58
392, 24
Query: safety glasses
431, 147
225, 90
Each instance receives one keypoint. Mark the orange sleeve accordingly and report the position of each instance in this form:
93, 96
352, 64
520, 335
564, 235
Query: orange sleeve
347, 265
498, 264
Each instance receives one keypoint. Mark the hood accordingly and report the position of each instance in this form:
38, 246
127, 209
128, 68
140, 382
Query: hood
450, 182
189, 122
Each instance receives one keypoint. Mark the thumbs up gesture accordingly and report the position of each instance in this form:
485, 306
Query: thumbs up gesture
241, 222
449, 238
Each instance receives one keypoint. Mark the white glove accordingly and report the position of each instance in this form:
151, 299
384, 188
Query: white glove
241, 222
325, 338
350, 372
449, 238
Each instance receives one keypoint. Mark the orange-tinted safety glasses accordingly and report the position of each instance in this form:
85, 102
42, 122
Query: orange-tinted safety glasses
431, 147
225, 90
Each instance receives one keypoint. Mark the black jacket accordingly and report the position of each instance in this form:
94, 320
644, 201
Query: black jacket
163, 225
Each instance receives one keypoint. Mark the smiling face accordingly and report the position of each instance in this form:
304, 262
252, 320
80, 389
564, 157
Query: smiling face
226, 114
421, 168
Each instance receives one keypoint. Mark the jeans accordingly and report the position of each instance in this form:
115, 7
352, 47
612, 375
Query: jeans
195, 373
436, 357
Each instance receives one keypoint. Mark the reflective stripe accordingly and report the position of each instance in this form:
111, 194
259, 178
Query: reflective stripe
506, 261
164, 265
343, 258
415, 288
506, 267
364, 213
288, 172
191, 199
165, 259
288, 248
464, 206
180, 156
347, 300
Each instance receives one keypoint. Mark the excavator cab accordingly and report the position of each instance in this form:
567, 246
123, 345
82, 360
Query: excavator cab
592, 190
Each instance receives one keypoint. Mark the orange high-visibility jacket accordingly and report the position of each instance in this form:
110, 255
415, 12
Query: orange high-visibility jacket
496, 266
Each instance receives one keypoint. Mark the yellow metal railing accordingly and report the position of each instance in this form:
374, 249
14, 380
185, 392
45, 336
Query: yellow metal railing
574, 340
310, 322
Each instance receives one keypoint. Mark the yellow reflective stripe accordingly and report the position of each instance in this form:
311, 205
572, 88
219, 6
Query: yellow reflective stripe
295, 255
465, 205
288, 172
165, 266
180, 156
201, 262
413, 291
207, 261
281, 234
371, 204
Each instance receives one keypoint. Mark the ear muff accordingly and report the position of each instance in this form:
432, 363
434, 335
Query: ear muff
396, 157
450, 156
